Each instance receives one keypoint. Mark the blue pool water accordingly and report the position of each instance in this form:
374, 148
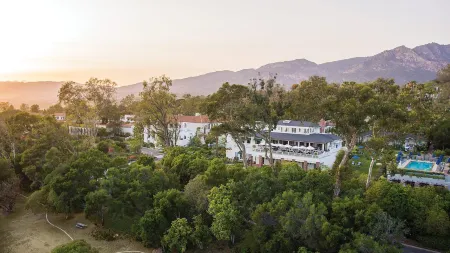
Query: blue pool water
418, 165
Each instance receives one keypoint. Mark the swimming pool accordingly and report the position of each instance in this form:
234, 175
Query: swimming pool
419, 165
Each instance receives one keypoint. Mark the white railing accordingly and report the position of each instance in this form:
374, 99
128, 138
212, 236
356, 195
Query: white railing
313, 154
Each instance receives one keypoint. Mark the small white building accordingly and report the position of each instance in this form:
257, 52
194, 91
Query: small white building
127, 128
186, 128
60, 116
306, 143
127, 118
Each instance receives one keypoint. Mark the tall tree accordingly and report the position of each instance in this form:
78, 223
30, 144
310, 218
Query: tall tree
6, 106
268, 103
158, 110
25, 107
34, 108
347, 106
229, 107
88, 103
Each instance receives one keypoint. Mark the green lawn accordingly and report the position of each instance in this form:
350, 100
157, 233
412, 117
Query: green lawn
364, 167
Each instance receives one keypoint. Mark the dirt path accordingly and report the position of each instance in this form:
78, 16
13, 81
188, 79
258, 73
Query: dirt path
23, 231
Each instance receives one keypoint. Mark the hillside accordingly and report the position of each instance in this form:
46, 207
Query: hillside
401, 63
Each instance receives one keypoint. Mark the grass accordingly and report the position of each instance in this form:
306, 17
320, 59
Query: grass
364, 167
23, 231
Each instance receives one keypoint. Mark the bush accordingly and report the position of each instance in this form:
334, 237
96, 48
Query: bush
439, 152
79, 246
103, 234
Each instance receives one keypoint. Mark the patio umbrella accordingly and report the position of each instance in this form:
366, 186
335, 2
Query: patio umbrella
275, 145
302, 147
360, 147
288, 146
310, 148
295, 147
355, 157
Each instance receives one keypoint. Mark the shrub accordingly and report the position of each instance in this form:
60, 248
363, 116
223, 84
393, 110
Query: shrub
103, 234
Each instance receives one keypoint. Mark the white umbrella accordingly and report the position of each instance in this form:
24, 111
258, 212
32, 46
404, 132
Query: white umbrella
288, 146
302, 147
295, 147
275, 145
310, 148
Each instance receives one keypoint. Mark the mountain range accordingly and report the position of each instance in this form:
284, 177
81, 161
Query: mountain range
401, 63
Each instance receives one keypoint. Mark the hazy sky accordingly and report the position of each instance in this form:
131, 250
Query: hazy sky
131, 40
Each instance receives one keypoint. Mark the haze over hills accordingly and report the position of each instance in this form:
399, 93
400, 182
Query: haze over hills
403, 64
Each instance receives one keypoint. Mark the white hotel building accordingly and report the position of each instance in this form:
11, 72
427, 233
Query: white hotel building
306, 143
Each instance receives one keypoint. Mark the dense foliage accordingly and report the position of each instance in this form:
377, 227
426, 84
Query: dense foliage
194, 197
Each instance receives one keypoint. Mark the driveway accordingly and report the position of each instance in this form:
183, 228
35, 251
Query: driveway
413, 249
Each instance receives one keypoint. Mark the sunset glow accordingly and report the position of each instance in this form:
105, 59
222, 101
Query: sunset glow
129, 41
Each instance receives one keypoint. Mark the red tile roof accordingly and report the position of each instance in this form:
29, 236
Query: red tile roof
194, 119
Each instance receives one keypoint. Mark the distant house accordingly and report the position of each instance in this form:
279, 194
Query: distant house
127, 128
127, 118
60, 116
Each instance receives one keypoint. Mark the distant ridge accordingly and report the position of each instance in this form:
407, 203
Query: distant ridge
401, 63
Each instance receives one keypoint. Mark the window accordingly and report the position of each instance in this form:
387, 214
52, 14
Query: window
248, 141
258, 141
304, 130
286, 129
294, 130
281, 129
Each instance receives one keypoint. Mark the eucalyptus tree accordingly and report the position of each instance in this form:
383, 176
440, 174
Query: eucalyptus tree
158, 110
88, 103
267, 104
229, 106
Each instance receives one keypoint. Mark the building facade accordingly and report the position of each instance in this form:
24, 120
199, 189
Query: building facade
60, 116
186, 128
306, 143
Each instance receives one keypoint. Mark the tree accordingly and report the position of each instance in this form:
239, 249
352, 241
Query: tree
190, 105
151, 227
440, 134
268, 103
34, 108
177, 236
158, 110
88, 103
77, 246
201, 235
24, 107
97, 204
442, 102
5, 106
387, 113
68, 189
437, 221
224, 212
128, 105
196, 192
9, 186
347, 106
362, 243
229, 106
54, 109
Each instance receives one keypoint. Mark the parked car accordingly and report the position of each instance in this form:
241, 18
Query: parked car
81, 225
